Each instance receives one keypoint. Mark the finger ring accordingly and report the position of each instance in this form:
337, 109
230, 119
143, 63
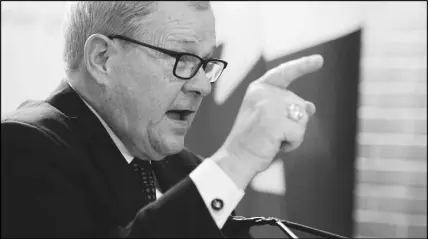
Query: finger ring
295, 112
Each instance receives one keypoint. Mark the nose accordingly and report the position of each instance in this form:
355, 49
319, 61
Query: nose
199, 84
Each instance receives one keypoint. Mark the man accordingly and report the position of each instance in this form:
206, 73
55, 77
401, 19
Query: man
81, 163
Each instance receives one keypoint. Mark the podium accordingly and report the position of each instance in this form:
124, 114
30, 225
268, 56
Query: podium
284, 225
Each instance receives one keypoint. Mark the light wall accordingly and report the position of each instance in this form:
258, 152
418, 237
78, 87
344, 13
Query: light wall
392, 159
31, 65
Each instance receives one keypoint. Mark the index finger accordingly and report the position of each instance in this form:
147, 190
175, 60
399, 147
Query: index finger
282, 75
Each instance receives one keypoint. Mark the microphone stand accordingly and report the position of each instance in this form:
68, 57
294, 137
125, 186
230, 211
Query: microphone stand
282, 224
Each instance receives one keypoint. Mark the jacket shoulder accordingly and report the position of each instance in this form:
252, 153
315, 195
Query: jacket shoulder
40, 115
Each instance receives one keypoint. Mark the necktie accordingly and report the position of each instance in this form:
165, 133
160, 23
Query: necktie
144, 171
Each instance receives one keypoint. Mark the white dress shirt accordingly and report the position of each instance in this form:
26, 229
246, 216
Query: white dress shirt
210, 180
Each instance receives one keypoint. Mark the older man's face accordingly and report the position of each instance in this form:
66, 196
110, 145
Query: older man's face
151, 109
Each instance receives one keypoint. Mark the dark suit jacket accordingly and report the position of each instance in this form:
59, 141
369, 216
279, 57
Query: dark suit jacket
62, 176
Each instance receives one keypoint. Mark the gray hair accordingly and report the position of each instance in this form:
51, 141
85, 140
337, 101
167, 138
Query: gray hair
85, 18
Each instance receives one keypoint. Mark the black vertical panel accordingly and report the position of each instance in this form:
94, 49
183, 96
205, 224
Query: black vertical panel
320, 173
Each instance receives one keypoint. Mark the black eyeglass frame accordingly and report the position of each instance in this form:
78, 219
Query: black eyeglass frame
175, 54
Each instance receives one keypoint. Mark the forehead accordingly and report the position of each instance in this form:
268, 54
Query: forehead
180, 23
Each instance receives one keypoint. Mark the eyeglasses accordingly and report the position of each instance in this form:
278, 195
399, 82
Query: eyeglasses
186, 64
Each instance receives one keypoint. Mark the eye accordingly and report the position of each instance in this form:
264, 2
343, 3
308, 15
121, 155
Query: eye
188, 61
187, 65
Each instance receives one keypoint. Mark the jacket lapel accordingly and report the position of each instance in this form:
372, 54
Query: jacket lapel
105, 156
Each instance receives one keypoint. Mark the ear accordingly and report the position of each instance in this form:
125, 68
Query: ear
98, 50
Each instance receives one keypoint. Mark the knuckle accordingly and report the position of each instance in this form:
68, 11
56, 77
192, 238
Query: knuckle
293, 96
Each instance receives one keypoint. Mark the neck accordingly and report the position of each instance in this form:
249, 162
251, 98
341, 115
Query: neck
87, 88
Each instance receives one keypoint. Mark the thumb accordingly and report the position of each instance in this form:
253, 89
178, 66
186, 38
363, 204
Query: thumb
310, 108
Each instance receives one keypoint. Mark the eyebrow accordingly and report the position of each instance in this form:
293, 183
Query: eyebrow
184, 42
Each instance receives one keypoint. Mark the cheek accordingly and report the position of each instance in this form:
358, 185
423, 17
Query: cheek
129, 96
150, 96
162, 92
147, 90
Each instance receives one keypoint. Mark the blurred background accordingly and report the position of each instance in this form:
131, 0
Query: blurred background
362, 169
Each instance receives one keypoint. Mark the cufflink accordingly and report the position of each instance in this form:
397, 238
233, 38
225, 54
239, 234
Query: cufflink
217, 204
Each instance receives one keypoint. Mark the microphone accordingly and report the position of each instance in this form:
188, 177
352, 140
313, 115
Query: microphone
282, 224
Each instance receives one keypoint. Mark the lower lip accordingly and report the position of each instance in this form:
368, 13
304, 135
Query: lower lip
182, 124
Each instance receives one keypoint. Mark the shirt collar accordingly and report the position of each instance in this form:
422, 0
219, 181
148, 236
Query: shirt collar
128, 157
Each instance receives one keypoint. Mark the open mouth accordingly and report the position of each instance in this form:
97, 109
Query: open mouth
180, 115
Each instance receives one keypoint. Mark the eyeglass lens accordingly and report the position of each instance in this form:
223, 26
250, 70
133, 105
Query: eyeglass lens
188, 64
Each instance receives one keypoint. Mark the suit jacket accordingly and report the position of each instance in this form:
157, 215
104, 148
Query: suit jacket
62, 176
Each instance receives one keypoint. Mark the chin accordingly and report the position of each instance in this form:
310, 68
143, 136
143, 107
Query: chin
173, 149
167, 144
172, 145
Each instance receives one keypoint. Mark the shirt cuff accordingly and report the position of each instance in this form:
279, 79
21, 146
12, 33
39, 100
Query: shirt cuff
219, 192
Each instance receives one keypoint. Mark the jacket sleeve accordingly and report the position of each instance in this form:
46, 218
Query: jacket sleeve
184, 193
176, 168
